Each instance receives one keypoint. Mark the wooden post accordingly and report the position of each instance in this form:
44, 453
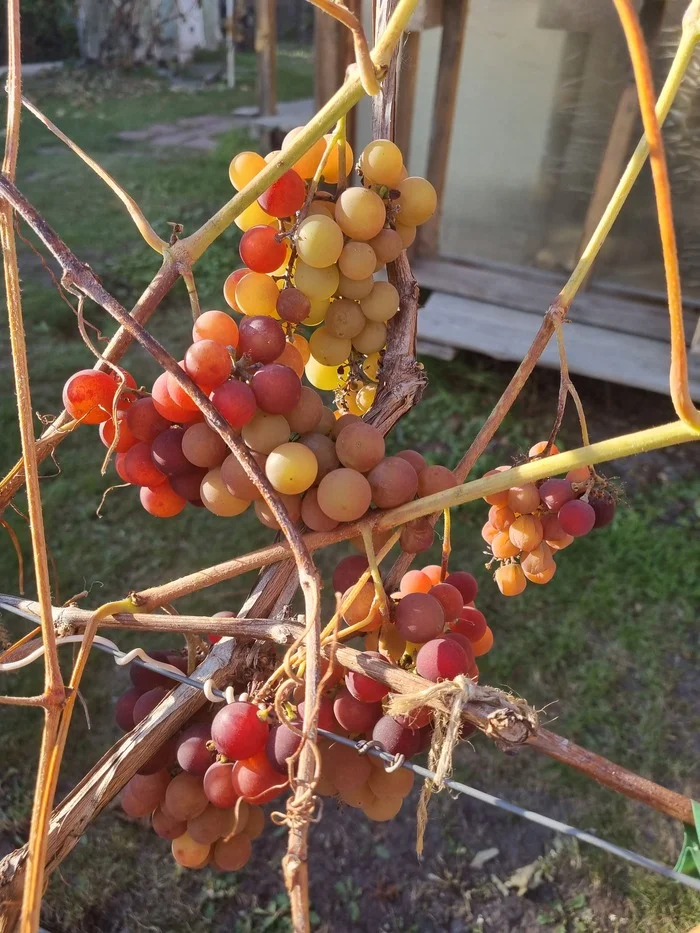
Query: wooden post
406, 94
230, 44
266, 50
453, 30
334, 53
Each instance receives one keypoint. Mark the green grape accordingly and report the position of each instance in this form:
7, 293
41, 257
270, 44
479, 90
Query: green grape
317, 314
327, 349
314, 283
360, 213
319, 241
381, 163
357, 260
344, 319
265, 432
291, 468
382, 303
417, 200
371, 338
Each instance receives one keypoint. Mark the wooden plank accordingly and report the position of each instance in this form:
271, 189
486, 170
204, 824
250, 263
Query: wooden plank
266, 51
427, 14
506, 334
333, 53
535, 294
406, 96
454, 21
577, 15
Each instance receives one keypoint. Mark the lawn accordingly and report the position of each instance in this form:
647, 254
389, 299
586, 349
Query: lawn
609, 647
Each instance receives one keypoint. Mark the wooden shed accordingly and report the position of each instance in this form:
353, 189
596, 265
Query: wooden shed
523, 114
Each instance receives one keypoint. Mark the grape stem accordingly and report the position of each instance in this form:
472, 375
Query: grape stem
365, 65
446, 544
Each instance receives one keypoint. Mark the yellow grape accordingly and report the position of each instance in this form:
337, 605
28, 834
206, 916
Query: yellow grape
244, 167
327, 349
360, 213
370, 367
271, 156
331, 168
265, 432
357, 260
417, 200
257, 294
319, 241
344, 318
354, 289
317, 314
383, 809
407, 232
252, 216
325, 378
510, 579
316, 283
365, 398
350, 403
371, 338
291, 468
188, 853
382, 303
391, 783
216, 497
306, 164
327, 208
387, 245
359, 797
381, 163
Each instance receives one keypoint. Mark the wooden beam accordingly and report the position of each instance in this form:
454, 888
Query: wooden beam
266, 51
333, 54
453, 33
406, 95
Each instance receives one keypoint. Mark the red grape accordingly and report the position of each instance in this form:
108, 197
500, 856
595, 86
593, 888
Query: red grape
354, 715
260, 249
161, 501
348, 572
187, 484
396, 739
167, 407
441, 659
293, 305
282, 743
449, 598
285, 196
419, 617
471, 623
208, 363
140, 468
277, 389
236, 402
261, 339
464, 644
144, 679
362, 687
218, 785
193, 755
465, 583
166, 451
417, 536
124, 709
576, 517
126, 438
148, 701
165, 826
604, 505
144, 421
237, 731
257, 787
554, 493
88, 396
326, 716
163, 758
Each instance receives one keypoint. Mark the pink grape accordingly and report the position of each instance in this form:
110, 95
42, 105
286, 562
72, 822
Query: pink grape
261, 338
237, 731
236, 402
193, 755
277, 389
441, 659
576, 517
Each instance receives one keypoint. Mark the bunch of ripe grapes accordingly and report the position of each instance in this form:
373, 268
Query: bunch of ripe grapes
203, 789
528, 524
310, 265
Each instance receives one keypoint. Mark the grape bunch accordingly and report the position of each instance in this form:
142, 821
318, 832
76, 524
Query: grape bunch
307, 264
314, 265
530, 523
203, 789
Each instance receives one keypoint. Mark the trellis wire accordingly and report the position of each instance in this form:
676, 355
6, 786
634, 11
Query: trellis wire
565, 829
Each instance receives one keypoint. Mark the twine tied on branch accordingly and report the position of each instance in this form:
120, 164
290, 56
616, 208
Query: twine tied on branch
449, 699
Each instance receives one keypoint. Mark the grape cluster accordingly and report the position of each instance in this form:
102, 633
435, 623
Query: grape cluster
204, 788
528, 524
306, 265
318, 269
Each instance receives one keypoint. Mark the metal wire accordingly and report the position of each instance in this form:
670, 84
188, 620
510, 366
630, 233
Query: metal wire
393, 761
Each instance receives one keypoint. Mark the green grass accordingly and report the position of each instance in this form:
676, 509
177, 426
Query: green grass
611, 643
